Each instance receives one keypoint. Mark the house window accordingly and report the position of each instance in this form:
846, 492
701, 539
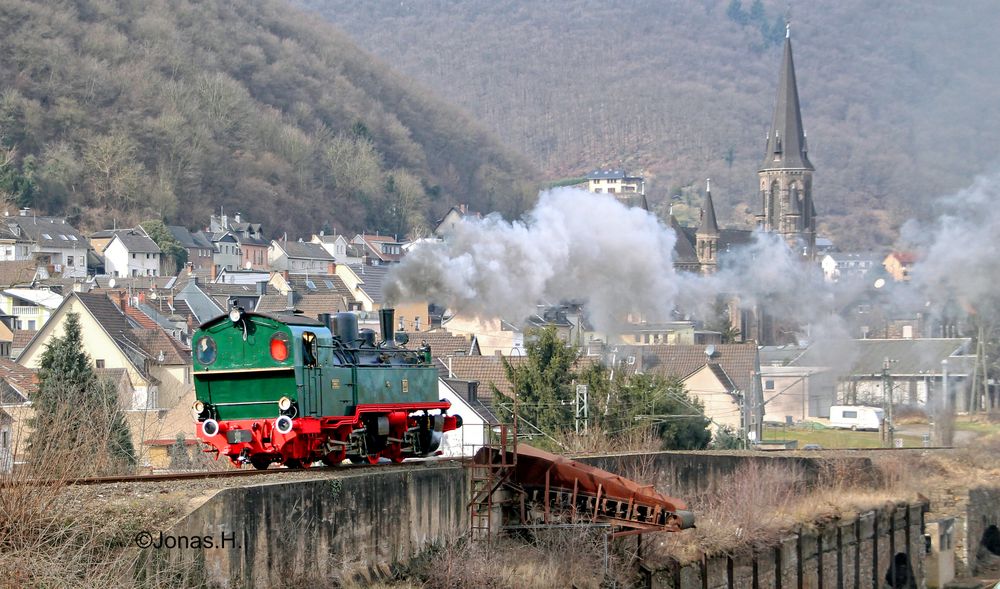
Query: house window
769, 385
100, 363
31, 325
69, 260
133, 256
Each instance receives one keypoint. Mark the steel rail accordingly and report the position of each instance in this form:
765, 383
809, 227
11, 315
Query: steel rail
219, 474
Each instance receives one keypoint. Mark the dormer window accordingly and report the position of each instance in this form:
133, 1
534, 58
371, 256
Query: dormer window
46, 236
63, 237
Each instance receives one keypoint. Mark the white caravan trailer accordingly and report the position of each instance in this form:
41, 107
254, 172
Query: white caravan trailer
855, 417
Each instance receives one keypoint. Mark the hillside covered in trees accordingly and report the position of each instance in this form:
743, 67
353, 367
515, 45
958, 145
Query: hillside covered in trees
898, 97
117, 110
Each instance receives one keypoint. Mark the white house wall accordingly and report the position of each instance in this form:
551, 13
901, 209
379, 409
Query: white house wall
466, 440
118, 261
96, 343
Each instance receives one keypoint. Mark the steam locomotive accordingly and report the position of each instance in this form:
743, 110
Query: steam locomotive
293, 390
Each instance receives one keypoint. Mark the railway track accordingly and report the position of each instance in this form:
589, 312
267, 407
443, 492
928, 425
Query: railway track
219, 474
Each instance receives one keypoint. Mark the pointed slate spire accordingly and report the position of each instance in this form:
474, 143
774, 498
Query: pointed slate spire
708, 226
786, 141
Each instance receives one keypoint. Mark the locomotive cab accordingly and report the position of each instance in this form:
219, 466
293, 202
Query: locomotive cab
293, 390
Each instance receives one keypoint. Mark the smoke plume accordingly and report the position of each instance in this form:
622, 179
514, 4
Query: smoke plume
581, 247
573, 245
958, 254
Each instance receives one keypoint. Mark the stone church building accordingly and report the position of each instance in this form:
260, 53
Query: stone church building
785, 208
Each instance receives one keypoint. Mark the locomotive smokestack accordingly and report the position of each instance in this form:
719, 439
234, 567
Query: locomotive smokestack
385, 320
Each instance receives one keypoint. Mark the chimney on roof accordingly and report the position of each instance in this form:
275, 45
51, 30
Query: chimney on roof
332, 268
25, 211
291, 300
236, 218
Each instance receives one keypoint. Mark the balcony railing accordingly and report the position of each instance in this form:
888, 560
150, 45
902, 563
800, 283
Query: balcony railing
22, 310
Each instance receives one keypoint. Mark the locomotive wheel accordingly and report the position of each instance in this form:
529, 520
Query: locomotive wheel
260, 461
356, 459
296, 463
394, 452
334, 458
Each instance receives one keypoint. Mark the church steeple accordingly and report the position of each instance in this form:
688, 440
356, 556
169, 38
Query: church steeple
786, 173
786, 141
707, 234
708, 226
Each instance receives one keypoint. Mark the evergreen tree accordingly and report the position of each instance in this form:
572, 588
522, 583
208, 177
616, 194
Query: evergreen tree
679, 420
180, 459
544, 383
165, 240
75, 410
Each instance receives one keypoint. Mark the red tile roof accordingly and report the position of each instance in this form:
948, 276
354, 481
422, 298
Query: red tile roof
17, 272
443, 343
739, 361
21, 338
489, 370
23, 380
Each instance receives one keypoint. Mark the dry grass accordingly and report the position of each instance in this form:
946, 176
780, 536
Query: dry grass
759, 504
554, 558
597, 441
54, 535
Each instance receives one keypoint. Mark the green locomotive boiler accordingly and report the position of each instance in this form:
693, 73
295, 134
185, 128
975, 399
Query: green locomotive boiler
293, 390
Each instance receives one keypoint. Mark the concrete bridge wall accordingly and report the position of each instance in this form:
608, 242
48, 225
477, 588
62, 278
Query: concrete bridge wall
852, 554
318, 529
685, 474
340, 524
981, 536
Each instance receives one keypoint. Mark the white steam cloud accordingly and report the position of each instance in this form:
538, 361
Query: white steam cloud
587, 248
959, 250
582, 247
573, 245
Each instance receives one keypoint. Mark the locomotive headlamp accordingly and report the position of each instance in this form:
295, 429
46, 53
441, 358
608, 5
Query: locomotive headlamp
284, 403
198, 407
235, 315
210, 427
283, 424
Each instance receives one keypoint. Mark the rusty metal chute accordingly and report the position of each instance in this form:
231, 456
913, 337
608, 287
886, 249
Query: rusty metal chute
570, 489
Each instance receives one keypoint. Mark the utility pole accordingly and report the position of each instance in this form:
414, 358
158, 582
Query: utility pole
582, 407
887, 425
